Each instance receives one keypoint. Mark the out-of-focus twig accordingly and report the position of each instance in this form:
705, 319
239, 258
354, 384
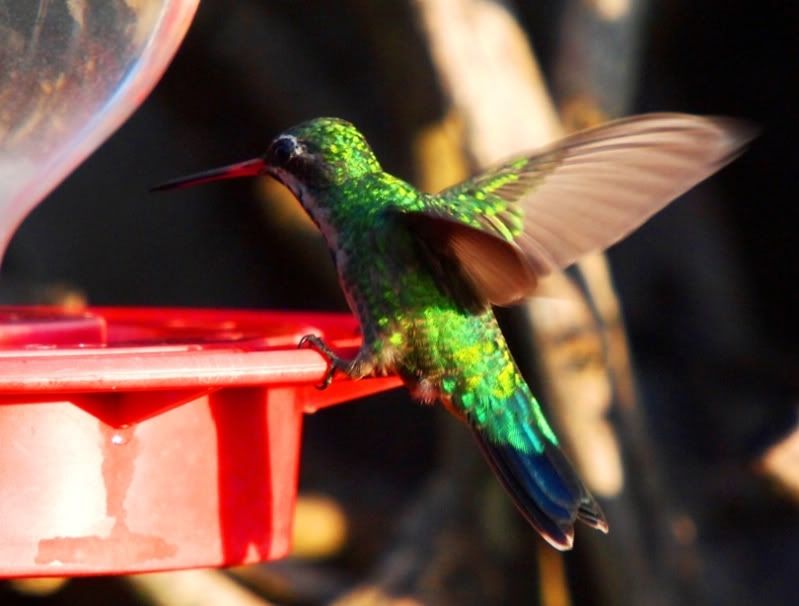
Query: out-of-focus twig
193, 588
782, 461
39, 587
487, 70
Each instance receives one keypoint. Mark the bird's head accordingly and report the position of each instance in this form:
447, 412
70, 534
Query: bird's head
311, 157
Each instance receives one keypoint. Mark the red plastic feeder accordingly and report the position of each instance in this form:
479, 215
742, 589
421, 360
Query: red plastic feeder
150, 439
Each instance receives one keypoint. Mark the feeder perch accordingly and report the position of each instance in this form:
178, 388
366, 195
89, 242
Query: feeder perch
152, 439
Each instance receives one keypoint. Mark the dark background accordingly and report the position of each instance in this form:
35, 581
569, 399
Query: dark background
708, 287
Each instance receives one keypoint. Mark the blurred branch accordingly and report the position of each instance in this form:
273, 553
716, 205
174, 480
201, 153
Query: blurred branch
192, 588
487, 70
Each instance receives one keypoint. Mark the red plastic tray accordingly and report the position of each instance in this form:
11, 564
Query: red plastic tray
151, 439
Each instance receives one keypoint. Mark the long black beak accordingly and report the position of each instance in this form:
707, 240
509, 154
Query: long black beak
249, 168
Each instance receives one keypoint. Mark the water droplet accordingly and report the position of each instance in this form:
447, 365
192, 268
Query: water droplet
118, 439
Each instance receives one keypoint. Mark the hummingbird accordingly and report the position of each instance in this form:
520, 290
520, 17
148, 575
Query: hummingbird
422, 272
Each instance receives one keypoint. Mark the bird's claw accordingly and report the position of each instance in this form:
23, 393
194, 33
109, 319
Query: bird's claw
334, 363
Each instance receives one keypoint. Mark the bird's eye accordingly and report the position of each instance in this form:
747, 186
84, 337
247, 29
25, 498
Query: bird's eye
282, 150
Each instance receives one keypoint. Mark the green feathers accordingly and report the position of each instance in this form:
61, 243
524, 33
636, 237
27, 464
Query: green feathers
338, 146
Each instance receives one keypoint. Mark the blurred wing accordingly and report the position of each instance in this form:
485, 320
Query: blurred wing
540, 213
474, 266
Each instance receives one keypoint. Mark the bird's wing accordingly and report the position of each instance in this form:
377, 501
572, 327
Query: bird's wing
539, 213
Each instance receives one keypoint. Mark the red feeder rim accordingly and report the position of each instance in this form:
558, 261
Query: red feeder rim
153, 439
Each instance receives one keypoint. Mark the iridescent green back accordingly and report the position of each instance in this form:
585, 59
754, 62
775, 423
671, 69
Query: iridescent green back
407, 318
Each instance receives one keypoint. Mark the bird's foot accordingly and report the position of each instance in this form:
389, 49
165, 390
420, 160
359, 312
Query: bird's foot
334, 362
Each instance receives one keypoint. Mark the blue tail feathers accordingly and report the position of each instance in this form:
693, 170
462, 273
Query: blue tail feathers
543, 485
